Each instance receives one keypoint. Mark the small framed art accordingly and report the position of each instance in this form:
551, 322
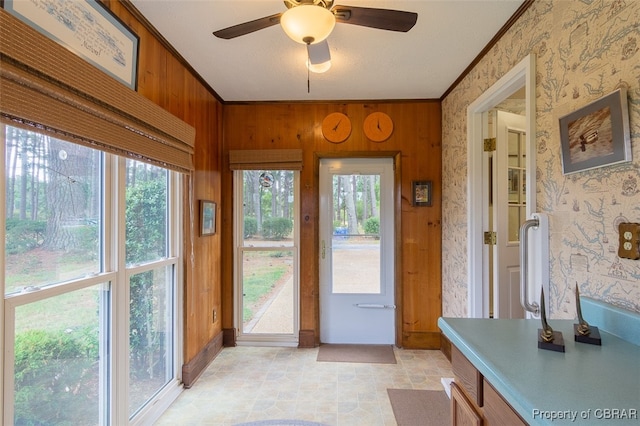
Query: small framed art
422, 194
597, 134
207, 217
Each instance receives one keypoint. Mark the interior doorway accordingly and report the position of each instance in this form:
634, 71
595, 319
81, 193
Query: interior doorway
480, 268
357, 259
506, 189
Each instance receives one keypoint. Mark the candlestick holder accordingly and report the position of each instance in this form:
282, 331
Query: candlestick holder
583, 332
548, 339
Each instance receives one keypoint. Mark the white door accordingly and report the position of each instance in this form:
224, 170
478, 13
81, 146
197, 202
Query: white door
509, 213
357, 251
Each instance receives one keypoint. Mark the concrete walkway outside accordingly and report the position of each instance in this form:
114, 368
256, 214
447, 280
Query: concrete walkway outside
276, 315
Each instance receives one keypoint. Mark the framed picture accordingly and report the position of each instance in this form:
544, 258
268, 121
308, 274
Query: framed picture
87, 28
597, 134
422, 195
207, 217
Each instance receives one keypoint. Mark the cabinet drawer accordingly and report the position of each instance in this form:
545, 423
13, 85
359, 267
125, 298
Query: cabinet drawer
496, 410
467, 375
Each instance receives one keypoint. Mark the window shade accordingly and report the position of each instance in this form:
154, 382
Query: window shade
262, 159
46, 88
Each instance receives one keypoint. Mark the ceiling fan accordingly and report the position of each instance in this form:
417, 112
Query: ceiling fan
311, 21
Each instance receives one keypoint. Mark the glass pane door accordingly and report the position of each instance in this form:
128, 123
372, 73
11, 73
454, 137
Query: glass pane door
267, 254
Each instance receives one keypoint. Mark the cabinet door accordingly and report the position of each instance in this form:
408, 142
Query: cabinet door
467, 375
497, 411
462, 410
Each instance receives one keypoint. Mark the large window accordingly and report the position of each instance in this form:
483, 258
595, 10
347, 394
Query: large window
91, 265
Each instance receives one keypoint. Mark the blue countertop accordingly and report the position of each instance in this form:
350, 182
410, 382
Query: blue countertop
586, 384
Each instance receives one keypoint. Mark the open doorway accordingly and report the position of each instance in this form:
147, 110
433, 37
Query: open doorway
481, 269
505, 150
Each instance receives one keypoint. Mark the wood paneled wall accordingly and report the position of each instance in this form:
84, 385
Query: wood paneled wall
415, 142
208, 269
165, 80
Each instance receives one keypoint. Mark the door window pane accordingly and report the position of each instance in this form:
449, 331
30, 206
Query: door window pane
150, 334
60, 374
268, 208
355, 251
516, 183
146, 213
53, 210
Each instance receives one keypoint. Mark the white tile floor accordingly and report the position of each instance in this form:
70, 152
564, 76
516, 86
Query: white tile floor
246, 384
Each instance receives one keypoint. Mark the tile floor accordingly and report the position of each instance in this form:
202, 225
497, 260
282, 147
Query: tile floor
245, 384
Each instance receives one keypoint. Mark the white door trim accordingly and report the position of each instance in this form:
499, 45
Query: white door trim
523, 74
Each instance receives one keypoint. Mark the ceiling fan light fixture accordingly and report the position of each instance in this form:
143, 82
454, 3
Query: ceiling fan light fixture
319, 68
308, 23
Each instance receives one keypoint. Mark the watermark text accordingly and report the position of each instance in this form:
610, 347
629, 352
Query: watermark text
590, 414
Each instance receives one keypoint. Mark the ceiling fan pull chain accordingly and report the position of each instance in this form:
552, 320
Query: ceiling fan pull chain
308, 62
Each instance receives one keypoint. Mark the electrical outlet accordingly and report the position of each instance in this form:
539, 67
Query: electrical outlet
629, 247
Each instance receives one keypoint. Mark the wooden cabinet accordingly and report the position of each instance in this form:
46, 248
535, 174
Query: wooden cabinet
474, 401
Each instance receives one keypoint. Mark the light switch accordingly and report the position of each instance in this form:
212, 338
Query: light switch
629, 247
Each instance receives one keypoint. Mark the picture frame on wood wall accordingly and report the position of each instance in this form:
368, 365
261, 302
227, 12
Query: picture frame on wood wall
88, 29
207, 218
422, 193
597, 134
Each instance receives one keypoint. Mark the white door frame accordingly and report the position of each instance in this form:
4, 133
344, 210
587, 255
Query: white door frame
523, 74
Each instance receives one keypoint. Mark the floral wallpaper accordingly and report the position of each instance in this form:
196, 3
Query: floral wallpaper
585, 49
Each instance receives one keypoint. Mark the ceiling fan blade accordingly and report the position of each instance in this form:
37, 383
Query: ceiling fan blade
384, 19
248, 27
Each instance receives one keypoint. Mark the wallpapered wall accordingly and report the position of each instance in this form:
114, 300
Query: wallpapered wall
585, 49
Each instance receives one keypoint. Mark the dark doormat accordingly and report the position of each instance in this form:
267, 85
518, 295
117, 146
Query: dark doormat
377, 354
413, 407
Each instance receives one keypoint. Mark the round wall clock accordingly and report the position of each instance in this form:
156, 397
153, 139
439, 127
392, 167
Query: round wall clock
336, 127
378, 126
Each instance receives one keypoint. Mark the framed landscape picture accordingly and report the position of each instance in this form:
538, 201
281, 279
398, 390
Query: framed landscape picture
207, 217
597, 134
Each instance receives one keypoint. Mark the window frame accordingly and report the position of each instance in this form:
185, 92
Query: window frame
114, 408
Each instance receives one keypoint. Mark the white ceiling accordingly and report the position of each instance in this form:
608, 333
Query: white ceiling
367, 64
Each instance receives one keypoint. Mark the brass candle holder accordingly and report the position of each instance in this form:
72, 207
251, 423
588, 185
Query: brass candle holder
548, 339
583, 332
